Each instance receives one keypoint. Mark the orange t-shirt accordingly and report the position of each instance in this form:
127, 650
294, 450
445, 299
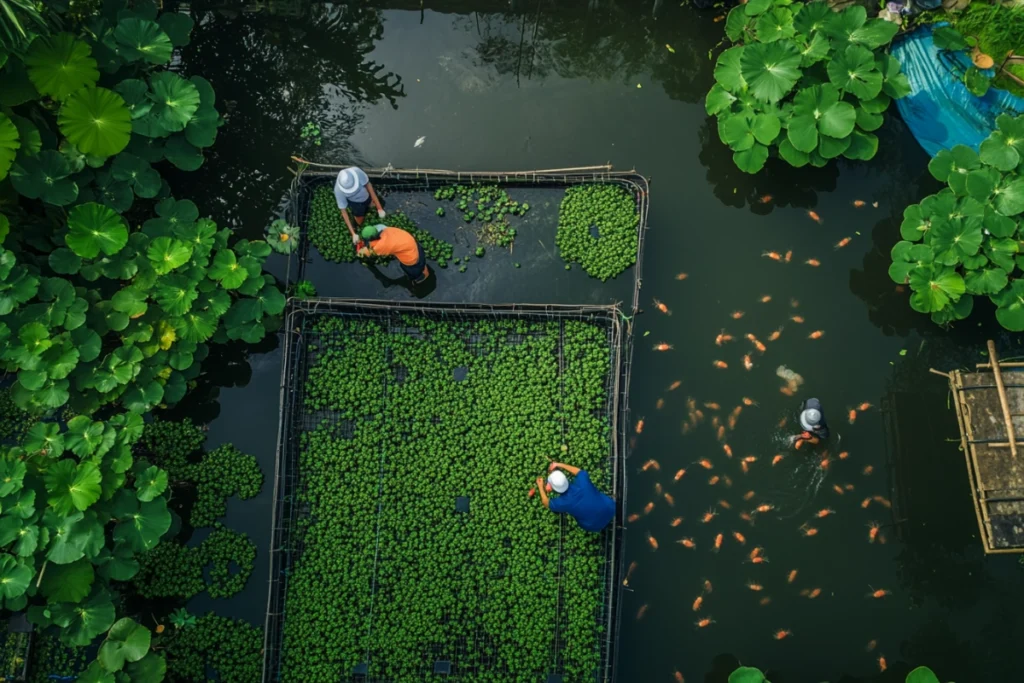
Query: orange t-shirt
398, 243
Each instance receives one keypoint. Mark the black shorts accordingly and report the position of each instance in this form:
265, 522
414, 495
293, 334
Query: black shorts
359, 209
415, 272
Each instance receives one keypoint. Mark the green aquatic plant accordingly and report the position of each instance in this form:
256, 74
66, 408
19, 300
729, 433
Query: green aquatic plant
597, 228
180, 618
169, 443
311, 131
490, 203
747, 674
282, 238
49, 657
963, 241
951, 40
231, 649
922, 674
304, 289
173, 570
379, 478
803, 80
220, 474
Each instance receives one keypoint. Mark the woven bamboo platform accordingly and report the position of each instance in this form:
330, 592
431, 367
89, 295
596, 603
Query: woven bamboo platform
990, 410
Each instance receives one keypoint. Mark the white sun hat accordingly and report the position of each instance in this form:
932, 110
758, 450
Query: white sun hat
558, 481
347, 181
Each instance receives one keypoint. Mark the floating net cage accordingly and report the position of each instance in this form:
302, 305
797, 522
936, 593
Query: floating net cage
388, 181
300, 353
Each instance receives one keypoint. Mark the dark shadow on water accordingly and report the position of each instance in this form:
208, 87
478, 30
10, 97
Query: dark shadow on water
418, 291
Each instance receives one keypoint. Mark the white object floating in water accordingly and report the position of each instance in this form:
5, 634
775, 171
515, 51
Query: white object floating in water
420, 140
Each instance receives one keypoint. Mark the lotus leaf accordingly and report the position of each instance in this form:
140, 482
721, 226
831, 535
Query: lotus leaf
45, 176
68, 582
72, 487
96, 121
756, 7
136, 171
59, 65
977, 81
811, 18
43, 438
142, 528
751, 160
175, 100
953, 239
770, 69
182, 153
14, 577
854, 70
10, 142
1009, 197
948, 38
167, 253
150, 669
95, 673
177, 26
736, 22
84, 621
93, 228
863, 146
933, 287
875, 33
141, 39
816, 50
1010, 302
986, 280
841, 26
151, 483
136, 96
728, 73
128, 641
747, 674
775, 24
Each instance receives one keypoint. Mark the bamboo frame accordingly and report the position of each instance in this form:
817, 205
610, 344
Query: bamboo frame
1003, 402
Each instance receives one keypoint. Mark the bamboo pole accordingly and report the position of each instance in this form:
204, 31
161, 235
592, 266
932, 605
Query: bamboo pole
997, 372
961, 407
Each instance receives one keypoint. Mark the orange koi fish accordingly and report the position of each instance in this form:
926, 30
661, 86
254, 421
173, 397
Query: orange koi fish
813, 262
641, 612
705, 463
718, 542
740, 538
736, 315
782, 633
707, 586
808, 530
872, 644
881, 593
721, 364
755, 553
679, 475
844, 455
657, 489
652, 541
782, 422
867, 470
884, 501
873, 529
760, 559
863, 406
744, 466
848, 487
757, 344
815, 217
794, 303
852, 416
864, 503
766, 298
732, 422
764, 601
748, 495
775, 335
659, 404
838, 489
773, 255
678, 677
727, 449
859, 203
675, 385
662, 307
817, 334
747, 363
824, 463
843, 242
697, 603
824, 512
754, 586
629, 572
745, 516
711, 405
727, 480
882, 665
722, 338
814, 593
681, 276
648, 508
708, 516
714, 480
650, 464
788, 257
767, 507
670, 500
704, 622
777, 459
633, 517
676, 522
792, 576
687, 543
749, 401
750, 459
764, 199
725, 504
640, 426
796, 318
662, 346
720, 433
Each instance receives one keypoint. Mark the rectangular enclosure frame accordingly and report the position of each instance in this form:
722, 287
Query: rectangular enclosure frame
286, 475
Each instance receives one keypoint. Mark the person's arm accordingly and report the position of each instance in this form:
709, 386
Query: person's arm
568, 468
543, 494
376, 202
348, 222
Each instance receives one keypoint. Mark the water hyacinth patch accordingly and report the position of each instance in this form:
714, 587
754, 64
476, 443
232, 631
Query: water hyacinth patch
803, 80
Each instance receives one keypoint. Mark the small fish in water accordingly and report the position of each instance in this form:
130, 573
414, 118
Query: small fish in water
723, 338
788, 257
745, 516
675, 385
813, 262
881, 593
727, 449
873, 529
838, 489
883, 501
748, 495
708, 516
736, 315
867, 470
662, 307
419, 141
814, 593
773, 255
719, 18
764, 601
756, 552
760, 560
749, 401
864, 406
670, 48
750, 459
697, 603
670, 500
792, 576
707, 586
651, 465
782, 633
713, 480
657, 489
864, 503
641, 612
882, 665
727, 480
648, 508
824, 463
788, 391
662, 346
707, 621
744, 466
640, 426
765, 198
629, 572
687, 543
732, 422
775, 335
721, 432
754, 586
872, 644
782, 422
679, 475
797, 318
874, 204
633, 517
747, 363
824, 512
808, 530
676, 522
794, 303
652, 541
705, 463
766, 298
718, 542
678, 677
851, 416
817, 334
681, 276
844, 455
777, 459
721, 364
815, 217
711, 405
859, 203
740, 538
724, 504
756, 342
767, 507
843, 242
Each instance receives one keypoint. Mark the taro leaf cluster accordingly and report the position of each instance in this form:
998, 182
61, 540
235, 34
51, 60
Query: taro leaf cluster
282, 238
597, 228
803, 80
173, 570
470, 409
231, 650
963, 241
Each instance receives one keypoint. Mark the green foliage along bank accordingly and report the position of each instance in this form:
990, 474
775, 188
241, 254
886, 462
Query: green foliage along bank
807, 82
965, 240
470, 409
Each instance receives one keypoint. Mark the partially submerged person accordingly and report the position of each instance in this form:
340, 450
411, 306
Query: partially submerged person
354, 193
591, 509
812, 419
380, 240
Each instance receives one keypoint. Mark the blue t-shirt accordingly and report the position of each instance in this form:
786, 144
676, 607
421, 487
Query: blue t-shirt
591, 508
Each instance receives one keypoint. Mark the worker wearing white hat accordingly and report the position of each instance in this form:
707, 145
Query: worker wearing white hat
354, 193
812, 419
591, 509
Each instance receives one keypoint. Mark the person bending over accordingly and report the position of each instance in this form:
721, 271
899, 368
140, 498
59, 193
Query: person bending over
380, 240
591, 509
354, 193
812, 419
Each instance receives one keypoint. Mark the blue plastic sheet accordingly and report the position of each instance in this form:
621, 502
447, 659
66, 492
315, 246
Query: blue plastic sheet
940, 111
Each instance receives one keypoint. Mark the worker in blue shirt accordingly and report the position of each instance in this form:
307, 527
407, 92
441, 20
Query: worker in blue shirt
591, 509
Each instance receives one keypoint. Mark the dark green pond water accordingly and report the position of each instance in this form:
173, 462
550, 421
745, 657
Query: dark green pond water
552, 84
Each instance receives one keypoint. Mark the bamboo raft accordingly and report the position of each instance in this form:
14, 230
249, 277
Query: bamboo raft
990, 410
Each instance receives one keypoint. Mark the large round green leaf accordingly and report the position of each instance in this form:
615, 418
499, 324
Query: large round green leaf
183, 154
68, 582
842, 25
1009, 197
737, 131
144, 179
718, 100
166, 254
999, 225
863, 146
10, 142
175, 100
150, 669
136, 96
96, 121
981, 183
1010, 302
747, 674
14, 577
150, 483
177, 26
736, 22
72, 487
1000, 150
854, 70
142, 528
727, 70
895, 83
985, 281
830, 148
45, 176
953, 239
934, 286
811, 17
58, 65
770, 69
751, 160
791, 154
802, 133
95, 673
93, 228
755, 7
922, 674
775, 24
226, 269
128, 641
837, 120
767, 127
875, 33
815, 50
84, 621
868, 121
905, 257
141, 39
175, 293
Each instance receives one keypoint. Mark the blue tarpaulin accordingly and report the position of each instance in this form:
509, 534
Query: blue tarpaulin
940, 111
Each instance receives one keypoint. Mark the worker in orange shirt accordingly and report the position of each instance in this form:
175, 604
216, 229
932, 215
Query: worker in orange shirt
380, 240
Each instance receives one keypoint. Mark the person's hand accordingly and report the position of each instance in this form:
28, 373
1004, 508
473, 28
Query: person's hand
355, 239
364, 253
805, 435
552, 467
540, 482
381, 213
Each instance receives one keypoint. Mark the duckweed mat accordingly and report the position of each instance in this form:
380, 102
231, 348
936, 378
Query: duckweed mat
540, 277
404, 545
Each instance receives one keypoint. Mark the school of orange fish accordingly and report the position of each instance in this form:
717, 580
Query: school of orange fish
712, 524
